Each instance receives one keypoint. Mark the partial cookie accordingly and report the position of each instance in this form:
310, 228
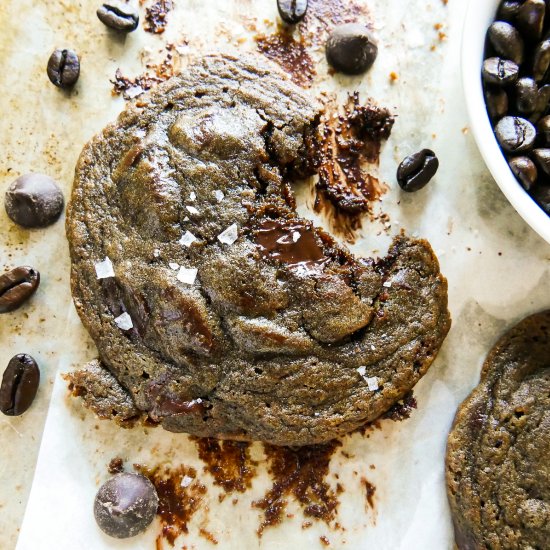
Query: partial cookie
218, 309
498, 451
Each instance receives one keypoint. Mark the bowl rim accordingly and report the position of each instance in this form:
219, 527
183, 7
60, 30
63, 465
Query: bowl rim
472, 48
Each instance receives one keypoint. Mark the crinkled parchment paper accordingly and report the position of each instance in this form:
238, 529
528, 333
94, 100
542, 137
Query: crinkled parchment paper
498, 271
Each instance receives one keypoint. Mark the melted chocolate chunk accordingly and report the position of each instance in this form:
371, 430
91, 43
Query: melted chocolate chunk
289, 241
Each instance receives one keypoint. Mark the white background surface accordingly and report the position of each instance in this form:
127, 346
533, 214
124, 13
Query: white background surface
497, 267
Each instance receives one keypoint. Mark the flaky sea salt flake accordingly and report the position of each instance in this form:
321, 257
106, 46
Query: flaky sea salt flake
372, 383
387, 284
187, 275
192, 196
104, 269
230, 235
124, 322
192, 210
186, 481
362, 371
219, 195
174, 266
187, 239
296, 236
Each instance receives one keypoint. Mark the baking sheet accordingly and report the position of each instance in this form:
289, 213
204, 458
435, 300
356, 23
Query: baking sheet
496, 266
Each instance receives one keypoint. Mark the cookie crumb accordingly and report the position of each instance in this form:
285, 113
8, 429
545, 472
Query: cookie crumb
116, 466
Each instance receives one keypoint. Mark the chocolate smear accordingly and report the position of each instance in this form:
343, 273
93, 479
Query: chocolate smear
228, 462
178, 501
290, 54
299, 473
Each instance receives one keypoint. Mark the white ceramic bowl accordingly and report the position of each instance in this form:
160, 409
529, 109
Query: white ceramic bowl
479, 16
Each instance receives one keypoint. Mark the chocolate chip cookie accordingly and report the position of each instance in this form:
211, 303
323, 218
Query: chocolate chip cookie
217, 309
498, 467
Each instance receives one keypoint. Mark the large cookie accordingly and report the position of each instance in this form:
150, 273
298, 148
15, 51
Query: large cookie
280, 334
498, 452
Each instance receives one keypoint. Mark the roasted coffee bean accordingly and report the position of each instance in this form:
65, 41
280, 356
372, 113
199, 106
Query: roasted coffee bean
525, 171
530, 19
515, 134
118, 16
541, 60
542, 158
499, 72
351, 48
63, 68
34, 200
506, 41
543, 129
292, 11
541, 194
526, 95
543, 97
508, 10
17, 286
496, 100
19, 385
125, 505
417, 170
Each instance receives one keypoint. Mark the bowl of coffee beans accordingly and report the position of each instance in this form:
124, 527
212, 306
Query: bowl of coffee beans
506, 79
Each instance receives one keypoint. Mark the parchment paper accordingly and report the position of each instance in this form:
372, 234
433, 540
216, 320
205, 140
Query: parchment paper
496, 266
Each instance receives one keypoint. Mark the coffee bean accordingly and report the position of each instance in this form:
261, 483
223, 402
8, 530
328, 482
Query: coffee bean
63, 68
416, 170
541, 194
496, 100
526, 95
506, 41
17, 286
541, 60
543, 129
19, 385
499, 72
292, 11
509, 10
118, 16
530, 19
351, 48
542, 158
34, 200
525, 171
515, 134
543, 97
125, 505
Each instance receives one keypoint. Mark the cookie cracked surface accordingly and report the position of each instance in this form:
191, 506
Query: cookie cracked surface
280, 334
498, 468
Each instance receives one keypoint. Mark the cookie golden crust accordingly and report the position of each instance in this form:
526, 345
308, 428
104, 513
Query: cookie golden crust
280, 334
498, 451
